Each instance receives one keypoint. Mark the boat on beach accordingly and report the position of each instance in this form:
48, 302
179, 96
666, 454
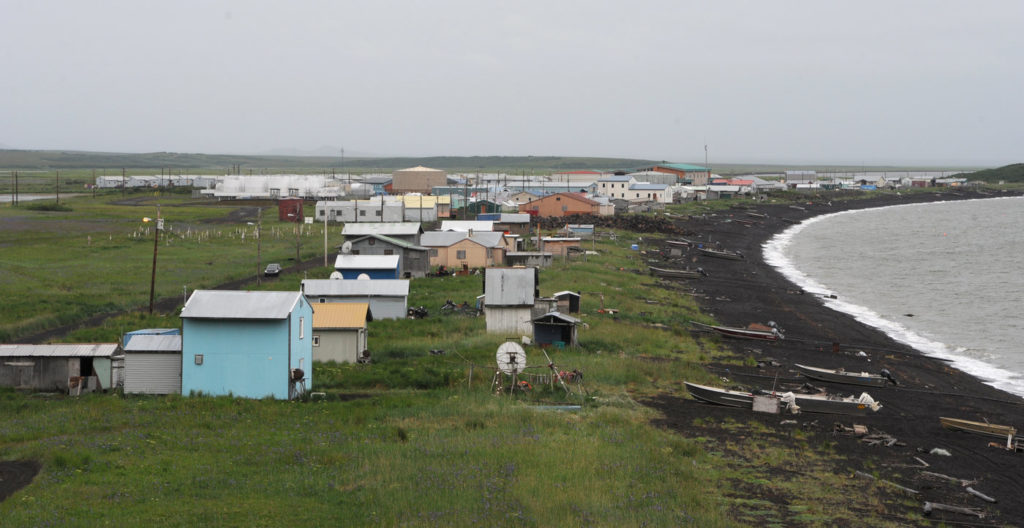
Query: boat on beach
793, 402
754, 331
681, 243
983, 428
667, 273
839, 375
722, 253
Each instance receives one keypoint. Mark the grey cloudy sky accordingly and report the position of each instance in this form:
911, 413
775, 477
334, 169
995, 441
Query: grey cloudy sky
772, 81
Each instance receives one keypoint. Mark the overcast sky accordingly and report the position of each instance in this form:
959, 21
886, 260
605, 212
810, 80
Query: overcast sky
861, 82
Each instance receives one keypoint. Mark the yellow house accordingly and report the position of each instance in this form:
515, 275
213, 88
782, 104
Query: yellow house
464, 250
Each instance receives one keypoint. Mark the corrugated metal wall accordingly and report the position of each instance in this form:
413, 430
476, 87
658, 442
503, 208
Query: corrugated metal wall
152, 373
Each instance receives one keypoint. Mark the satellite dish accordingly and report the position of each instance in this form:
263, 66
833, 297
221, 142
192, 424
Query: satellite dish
336, 275
511, 358
363, 276
346, 248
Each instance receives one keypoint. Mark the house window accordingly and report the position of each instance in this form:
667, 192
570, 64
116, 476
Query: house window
322, 300
362, 213
376, 213
316, 340
389, 252
199, 359
372, 241
433, 252
460, 254
565, 208
302, 327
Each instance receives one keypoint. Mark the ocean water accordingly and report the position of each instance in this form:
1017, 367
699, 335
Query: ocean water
946, 278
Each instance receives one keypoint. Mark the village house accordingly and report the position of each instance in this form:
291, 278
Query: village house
339, 331
466, 226
152, 364
555, 329
686, 173
371, 266
413, 260
252, 344
388, 299
560, 246
465, 250
561, 204
508, 223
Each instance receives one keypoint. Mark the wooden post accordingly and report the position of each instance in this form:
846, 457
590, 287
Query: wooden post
156, 244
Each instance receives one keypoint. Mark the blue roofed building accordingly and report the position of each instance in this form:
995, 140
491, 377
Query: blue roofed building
252, 344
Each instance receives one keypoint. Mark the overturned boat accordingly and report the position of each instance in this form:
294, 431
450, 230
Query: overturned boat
667, 273
867, 379
768, 332
722, 253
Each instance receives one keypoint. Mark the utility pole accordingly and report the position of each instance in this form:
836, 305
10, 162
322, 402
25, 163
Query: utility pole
298, 231
58, 190
325, 233
156, 244
94, 183
259, 243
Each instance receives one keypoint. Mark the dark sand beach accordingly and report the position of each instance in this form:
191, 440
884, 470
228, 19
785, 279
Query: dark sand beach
738, 293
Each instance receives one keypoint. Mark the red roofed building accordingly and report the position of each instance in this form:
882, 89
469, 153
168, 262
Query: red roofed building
561, 204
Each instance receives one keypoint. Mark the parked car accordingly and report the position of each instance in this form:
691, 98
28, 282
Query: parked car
272, 270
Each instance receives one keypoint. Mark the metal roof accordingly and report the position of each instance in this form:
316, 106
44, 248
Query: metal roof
560, 317
565, 292
368, 288
393, 241
509, 286
615, 179
60, 350
355, 262
154, 343
466, 225
228, 304
341, 315
488, 239
381, 228
683, 166
648, 187
513, 218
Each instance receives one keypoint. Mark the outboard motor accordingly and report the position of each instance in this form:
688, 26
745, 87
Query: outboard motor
888, 375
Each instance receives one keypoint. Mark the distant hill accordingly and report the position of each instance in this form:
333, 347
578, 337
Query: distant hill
1010, 174
49, 160
64, 159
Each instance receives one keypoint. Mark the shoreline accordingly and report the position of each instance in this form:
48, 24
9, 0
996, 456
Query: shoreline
738, 293
999, 377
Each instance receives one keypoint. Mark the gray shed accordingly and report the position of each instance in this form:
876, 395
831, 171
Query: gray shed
75, 368
568, 301
555, 329
388, 298
152, 364
509, 295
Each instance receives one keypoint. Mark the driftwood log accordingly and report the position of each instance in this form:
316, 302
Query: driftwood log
979, 494
893, 484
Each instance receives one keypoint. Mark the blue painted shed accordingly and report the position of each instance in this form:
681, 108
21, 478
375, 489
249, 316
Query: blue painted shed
148, 331
252, 344
373, 266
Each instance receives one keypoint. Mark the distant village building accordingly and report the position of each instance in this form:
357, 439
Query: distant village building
413, 259
561, 204
688, 174
353, 267
465, 250
417, 180
406, 231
